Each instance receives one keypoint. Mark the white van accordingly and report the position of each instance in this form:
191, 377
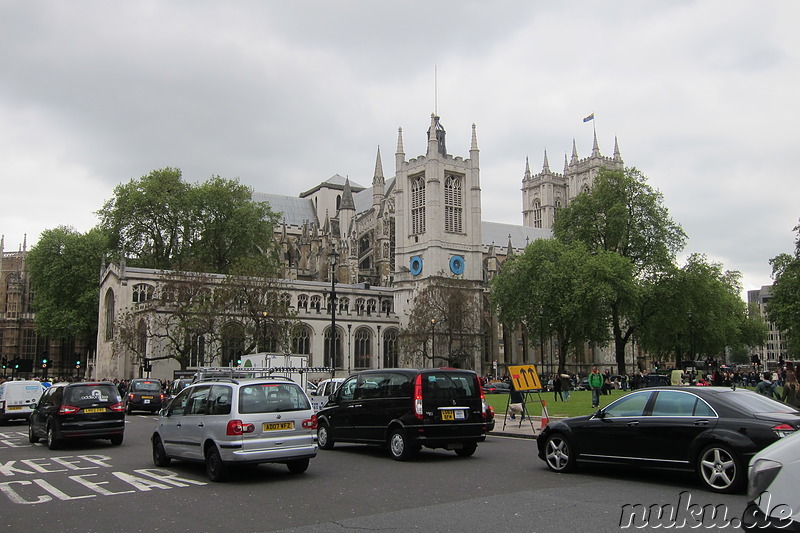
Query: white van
325, 388
18, 398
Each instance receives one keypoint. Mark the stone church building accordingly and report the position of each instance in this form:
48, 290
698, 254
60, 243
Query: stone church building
392, 239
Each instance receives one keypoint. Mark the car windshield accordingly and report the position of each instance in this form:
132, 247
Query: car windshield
272, 397
81, 395
146, 386
752, 402
450, 384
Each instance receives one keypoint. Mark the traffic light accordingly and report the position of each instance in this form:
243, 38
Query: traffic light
77, 363
44, 362
5, 362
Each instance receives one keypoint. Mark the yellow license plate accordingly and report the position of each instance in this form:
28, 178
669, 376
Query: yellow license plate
147, 397
14, 407
277, 426
448, 415
97, 410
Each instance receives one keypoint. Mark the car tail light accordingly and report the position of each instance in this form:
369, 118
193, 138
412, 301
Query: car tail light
311, 423
484, 405
236, 427
68, 410
130, 396
783, 430
162, 398
117, 407
418, 397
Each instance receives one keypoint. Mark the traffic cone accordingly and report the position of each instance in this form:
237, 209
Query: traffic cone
545, 416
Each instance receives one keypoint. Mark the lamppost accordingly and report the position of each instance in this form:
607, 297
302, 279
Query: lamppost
541, 335
378, 362
333, 256
433, 342
349, 351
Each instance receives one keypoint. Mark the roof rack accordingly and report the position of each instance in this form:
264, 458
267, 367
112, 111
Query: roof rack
219, 373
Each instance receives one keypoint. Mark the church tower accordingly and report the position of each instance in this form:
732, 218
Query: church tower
437, 217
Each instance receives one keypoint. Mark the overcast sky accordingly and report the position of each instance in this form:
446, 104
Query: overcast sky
702, 96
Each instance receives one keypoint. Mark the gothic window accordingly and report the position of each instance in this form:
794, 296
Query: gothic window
386, 306
537, 214
366, 264
418, 205
364, 244
142, 292
302, 301
558, 204
28, 344
316, 302
453, 204
362, 348
371, 306
286, 300
360, 305
344, 304
109, 304
390, 358
336, 360
301, 340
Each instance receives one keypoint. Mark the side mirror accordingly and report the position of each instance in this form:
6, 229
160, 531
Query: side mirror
164, 411
601, 413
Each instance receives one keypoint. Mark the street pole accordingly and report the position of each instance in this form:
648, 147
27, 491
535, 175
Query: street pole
333, 256
433, 343
378, 362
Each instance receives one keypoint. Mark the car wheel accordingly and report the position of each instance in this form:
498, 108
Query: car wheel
324, 437
215, 468
399, 446
116, 440
720, 469
160, 457
558, 454
52, 441
298, 466
33, 438
467, 450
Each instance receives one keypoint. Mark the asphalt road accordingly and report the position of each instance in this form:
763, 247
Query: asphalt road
93, 486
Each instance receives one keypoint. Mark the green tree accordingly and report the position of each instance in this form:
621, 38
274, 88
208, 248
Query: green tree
623, 215
64, 267
559, 290
783, 307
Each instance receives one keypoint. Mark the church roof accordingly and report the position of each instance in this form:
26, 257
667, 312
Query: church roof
334, 182
520, 236
294, 211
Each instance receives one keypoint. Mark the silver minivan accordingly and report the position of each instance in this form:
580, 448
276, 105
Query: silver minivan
224, 422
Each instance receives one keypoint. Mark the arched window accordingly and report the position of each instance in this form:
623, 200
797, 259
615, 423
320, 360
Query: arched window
344, 304
336, 360
362, 348
142, 292
418, 205
386, 306
302, 301
361, 305
390, 358
453, 204
110, 315
371, 305
537, 214
286, 300
301, 341
316, 302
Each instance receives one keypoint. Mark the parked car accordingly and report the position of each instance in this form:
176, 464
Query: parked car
178, 385
407, 409
713, 431
85, 410
654, 380
18, 398
773, 478
144, 395
496, 387
223, 422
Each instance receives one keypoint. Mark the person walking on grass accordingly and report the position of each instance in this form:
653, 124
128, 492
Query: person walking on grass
596, 381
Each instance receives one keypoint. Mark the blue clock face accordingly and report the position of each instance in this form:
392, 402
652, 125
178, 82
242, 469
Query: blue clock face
415, 265
457, 264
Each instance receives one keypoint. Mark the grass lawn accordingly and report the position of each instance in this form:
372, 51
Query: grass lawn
580, 403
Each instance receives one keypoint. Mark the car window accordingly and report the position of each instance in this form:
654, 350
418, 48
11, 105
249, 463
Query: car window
219, 400
178, 405
631, 405
196, 403
47, 397
370, 386
753, 402
674, 403
146, 386
81, 395
347, 389
447, 385
272, 397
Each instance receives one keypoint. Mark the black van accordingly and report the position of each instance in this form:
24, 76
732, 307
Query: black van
405, 409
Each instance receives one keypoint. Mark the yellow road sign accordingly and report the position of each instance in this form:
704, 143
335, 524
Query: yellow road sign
525, 377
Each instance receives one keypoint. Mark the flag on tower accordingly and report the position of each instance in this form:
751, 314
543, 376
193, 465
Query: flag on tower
590, 117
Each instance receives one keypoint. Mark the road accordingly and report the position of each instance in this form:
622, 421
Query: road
93, 486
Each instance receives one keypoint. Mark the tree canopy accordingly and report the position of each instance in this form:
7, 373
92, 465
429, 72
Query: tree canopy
783, 308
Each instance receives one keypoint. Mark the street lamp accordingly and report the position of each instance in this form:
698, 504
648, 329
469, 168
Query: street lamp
378, 365
349, 350
333, 256
433, 342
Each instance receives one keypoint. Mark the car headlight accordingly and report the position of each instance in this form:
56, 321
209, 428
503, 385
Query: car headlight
761, 474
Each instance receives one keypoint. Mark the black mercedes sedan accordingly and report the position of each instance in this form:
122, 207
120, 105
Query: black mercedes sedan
713, 431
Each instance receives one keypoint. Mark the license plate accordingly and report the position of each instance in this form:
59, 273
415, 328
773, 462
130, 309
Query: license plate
14, 407
453, 414
147, 401
147, 398
95, 410
277, 426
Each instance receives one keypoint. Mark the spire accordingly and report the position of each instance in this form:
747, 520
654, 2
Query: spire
617, 156
399, 156
436, 134
378, 182
347, 197
378, 176
510, 246
546, 165
565, 163
574, 153
527, 170
474, 146
400, 149
595, 147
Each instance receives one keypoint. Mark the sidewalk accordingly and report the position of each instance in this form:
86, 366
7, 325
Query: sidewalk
529, 428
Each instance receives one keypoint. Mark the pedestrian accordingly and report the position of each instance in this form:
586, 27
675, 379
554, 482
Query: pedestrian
767, 387
595, 383
516, 403
790, 394
566, 386
557, 388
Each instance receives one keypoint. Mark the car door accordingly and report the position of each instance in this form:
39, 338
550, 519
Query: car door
339, 417
613, 434
673, 423
40, 413
369, 410
181, 428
